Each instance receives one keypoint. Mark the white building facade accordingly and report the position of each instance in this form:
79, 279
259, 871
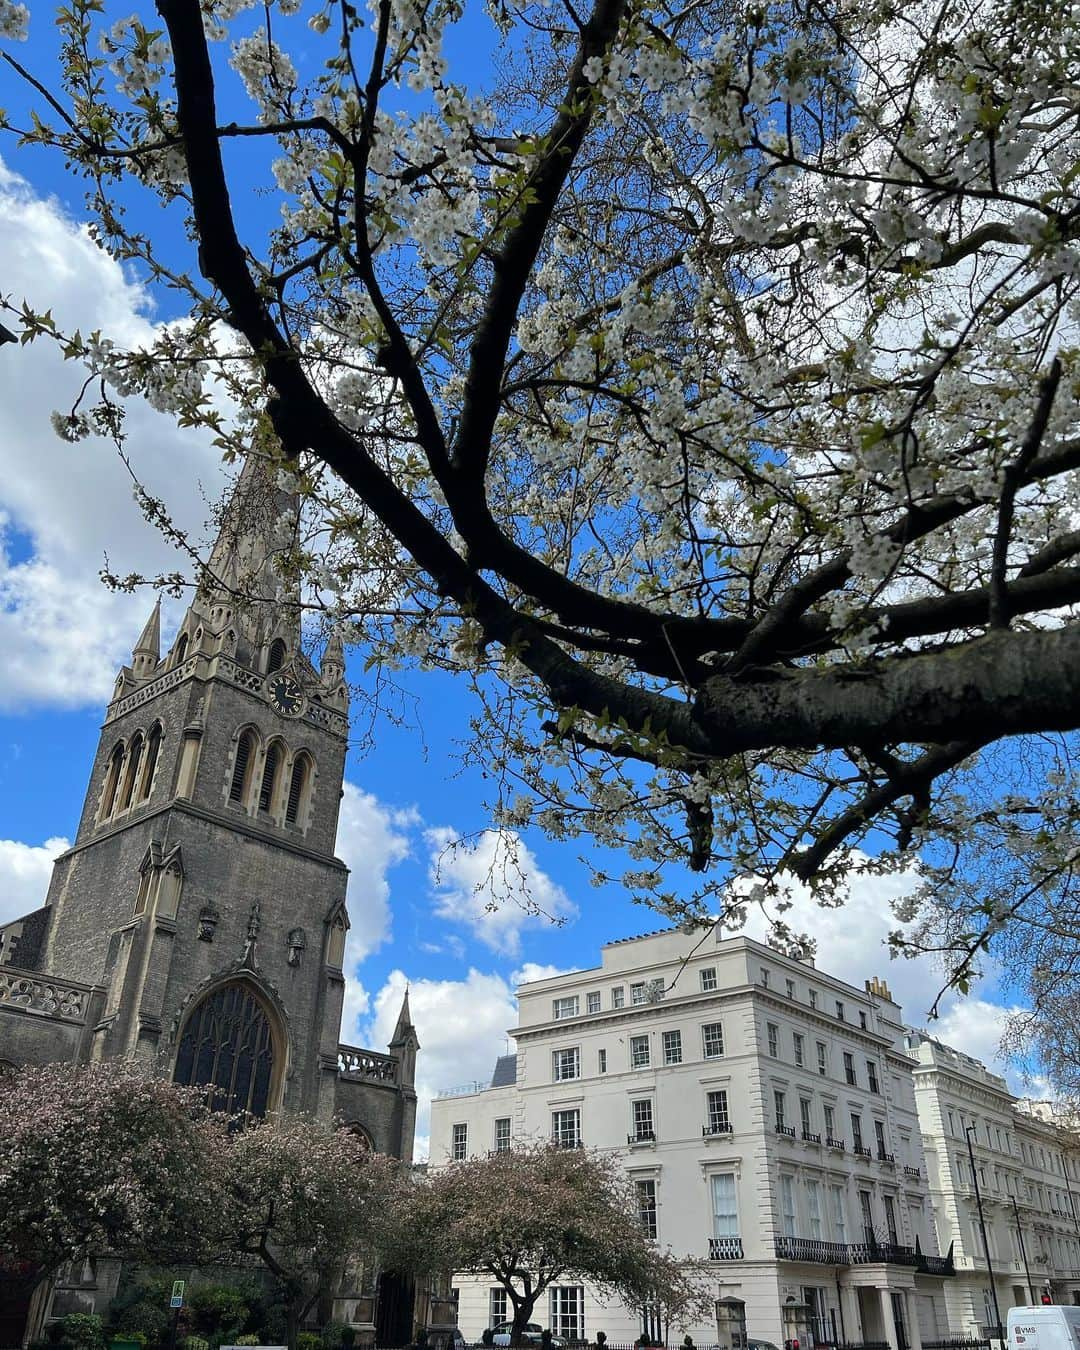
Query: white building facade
1026, 1176
766, 1113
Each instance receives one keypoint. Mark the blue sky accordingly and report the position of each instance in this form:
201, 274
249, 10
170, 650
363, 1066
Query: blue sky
64, 508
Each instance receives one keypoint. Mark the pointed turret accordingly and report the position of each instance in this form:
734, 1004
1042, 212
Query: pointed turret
332, 666
404, 1043
146, 654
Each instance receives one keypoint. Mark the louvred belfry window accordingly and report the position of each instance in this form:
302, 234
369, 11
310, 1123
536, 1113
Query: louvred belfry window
227, 1046
153, 746
243, 758
297, 784
269, 778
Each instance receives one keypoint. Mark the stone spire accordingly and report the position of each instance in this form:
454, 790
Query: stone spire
332, 666
146, 654
404, 1043
245, 587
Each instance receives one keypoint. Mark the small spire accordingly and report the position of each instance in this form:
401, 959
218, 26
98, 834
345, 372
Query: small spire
332, 666
404, 1030
146, 653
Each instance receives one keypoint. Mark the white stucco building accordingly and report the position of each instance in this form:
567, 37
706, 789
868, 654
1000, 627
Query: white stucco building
1028, 1172
766, 1112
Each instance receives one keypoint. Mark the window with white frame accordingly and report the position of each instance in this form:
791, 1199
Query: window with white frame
830, 1121
639, 1052
789, 985
773, 1033
502, 1135
459, 1142
871, 1076
708, 980
646, 1203
566, 1064
805, 1120
637, 992
672, 1047
788, 1219
566, 1128
719, 1122
568, 1312
498, 1307
822, 1058
601, 1061
839, 1011
812, 996
779, 1101
618, 996
564, 1007
839, 1214
849, 1068
592, 1001
712, 1040
813, 1209
641, 1119
763, 977
724, 1205
797, 1045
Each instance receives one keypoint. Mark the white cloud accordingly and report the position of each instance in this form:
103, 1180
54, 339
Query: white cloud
461, 1026
25, 870
530, 970
493, 886
976, 1026
371, 839
63, 507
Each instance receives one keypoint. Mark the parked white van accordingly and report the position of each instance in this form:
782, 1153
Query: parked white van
1051, 1326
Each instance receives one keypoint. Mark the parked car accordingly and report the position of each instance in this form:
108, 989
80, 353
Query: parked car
760, 1345
531, 1335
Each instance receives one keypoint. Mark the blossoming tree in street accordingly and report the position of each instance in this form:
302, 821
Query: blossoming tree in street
533, 1216
309, 1200
702, 385
100, 1160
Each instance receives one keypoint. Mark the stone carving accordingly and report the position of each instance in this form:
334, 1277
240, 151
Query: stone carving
296, 942
208, 921
42, 996
367, 1064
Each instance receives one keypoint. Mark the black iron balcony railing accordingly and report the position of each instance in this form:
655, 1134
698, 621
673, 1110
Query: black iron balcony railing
915, 1172
812, 1249
889, 1159
861, 1254
874, 1253
809, 1137
861, 1151
642, 1137
835, 1143
725, 1249
787, 1130
716, 1127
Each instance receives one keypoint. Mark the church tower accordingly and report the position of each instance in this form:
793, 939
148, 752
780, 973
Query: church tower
201, 901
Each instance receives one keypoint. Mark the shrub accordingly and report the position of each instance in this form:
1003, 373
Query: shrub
194, 1343
249, 1338
84, 1331
309, 1340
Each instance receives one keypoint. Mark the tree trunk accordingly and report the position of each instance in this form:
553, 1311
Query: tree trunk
522, 1313
292, 1323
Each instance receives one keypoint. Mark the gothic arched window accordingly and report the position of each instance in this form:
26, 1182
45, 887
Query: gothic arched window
268, 790
181, 649
298, 789
153, 745
229, 1047
245, 748
112, 781
131, 773
276, 659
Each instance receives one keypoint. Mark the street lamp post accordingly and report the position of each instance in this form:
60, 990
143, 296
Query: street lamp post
1023, 1250
968, 1130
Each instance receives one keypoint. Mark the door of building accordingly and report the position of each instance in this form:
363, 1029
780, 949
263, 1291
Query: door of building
899, 1318
394, 1310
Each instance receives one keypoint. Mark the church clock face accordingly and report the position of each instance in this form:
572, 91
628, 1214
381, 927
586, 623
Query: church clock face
286, 695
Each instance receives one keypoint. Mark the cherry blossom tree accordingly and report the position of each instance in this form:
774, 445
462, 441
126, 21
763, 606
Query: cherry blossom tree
530, 1217
309, 1200
101, 1160
702, 388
